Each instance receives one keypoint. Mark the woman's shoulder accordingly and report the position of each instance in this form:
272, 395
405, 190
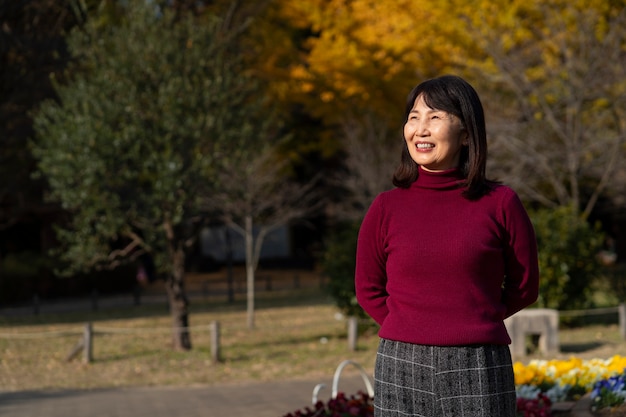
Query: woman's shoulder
388, 197
505, 198
498, 189
390, 193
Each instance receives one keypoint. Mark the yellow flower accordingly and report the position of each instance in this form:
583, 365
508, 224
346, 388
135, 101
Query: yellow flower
523, 375
572, 372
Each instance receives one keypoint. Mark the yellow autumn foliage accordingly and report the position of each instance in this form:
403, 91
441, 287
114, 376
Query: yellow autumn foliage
364, 53
336, 58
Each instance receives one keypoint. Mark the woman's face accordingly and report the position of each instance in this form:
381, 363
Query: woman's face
434, 137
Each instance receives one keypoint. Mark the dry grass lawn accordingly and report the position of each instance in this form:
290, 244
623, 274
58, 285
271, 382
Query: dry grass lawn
299, 335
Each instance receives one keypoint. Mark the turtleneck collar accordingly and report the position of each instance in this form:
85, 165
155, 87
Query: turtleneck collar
447, 179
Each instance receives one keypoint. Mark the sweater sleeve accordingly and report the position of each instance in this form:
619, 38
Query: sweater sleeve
370, 273
521, 283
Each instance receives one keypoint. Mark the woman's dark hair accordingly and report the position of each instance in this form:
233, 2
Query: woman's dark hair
456, 96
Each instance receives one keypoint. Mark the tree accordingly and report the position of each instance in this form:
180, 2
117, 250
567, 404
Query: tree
255, 196
135, 137
555, 78
359, 53
372, 152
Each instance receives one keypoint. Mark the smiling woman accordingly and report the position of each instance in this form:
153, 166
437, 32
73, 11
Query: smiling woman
441, 261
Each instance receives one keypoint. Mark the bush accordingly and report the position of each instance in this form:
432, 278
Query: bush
568, 248
617, 284
338, 263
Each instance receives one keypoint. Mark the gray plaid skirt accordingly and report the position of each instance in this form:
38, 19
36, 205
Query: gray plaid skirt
438, 381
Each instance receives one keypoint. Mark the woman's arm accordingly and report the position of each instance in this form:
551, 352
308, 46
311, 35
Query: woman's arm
370, 274
521, 283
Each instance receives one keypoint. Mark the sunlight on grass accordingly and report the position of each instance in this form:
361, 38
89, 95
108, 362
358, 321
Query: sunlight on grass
301, 340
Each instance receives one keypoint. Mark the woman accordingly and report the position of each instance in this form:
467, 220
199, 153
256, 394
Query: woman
441, 261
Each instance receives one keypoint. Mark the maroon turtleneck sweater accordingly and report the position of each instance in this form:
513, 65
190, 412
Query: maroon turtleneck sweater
434, 268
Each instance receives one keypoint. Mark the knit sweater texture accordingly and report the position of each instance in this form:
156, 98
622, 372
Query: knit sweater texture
434, 268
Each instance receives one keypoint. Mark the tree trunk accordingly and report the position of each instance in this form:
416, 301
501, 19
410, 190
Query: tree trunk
250, 270
179, 304
229, 265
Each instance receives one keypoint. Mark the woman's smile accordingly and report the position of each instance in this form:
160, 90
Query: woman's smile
424, 146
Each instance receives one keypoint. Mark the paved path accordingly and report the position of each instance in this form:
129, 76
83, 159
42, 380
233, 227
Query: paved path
273, 399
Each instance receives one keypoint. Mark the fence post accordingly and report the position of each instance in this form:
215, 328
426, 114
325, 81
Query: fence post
215, 341
88, 345
622, 319
353, 325
84, 344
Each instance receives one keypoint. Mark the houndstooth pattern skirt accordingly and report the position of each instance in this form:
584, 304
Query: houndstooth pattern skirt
443, 381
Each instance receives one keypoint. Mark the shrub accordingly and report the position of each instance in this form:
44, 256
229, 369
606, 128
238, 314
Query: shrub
568, 248
338, 263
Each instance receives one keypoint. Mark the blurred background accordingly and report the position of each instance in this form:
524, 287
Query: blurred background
145, 141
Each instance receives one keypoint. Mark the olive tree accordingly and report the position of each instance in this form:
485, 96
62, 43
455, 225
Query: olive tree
135, 138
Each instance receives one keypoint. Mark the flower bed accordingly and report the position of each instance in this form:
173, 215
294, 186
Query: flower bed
539, 384
545, 382
610, 393
360, 405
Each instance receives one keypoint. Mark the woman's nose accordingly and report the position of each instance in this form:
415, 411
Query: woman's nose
421, 128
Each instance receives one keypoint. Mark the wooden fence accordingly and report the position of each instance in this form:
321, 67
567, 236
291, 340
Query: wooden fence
86, 340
